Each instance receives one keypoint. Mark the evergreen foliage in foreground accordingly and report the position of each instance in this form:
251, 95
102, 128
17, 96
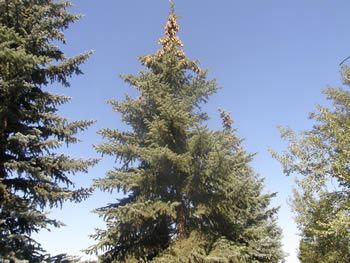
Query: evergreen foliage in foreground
322, 200
191, 195
32, 176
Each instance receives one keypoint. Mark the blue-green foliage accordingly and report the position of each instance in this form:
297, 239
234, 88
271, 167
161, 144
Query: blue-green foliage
32, 176
191, 195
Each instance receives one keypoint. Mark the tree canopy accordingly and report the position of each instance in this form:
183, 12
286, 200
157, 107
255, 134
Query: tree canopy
33, 175
322, 157
190, 193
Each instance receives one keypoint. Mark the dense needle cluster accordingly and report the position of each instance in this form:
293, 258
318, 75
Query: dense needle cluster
33, 176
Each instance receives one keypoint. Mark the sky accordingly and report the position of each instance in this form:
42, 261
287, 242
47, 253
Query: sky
272, 59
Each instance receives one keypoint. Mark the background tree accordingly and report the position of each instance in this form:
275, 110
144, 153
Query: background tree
32, 175
191, 194
321, 201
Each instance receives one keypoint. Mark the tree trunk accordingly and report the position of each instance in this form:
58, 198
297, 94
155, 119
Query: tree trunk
180, 221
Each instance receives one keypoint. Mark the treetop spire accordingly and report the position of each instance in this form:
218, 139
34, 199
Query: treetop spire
172, 7
170, 41
171, 44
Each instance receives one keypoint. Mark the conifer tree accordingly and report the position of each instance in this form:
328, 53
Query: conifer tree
191, 195
321, 200
32, 175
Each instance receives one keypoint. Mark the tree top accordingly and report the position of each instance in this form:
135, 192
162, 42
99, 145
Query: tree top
171, 44
170, 41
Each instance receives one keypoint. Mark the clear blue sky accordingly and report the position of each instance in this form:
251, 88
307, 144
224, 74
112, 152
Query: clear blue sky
272, 58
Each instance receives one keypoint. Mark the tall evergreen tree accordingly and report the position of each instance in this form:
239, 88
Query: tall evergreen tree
191, 195
32, 175
322, 197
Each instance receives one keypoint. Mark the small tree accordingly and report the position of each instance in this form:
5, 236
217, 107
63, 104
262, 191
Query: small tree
321, 201
32, 175
191, 194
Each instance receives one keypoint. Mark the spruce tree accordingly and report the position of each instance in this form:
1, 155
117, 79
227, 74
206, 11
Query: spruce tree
32, 176
190, 194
